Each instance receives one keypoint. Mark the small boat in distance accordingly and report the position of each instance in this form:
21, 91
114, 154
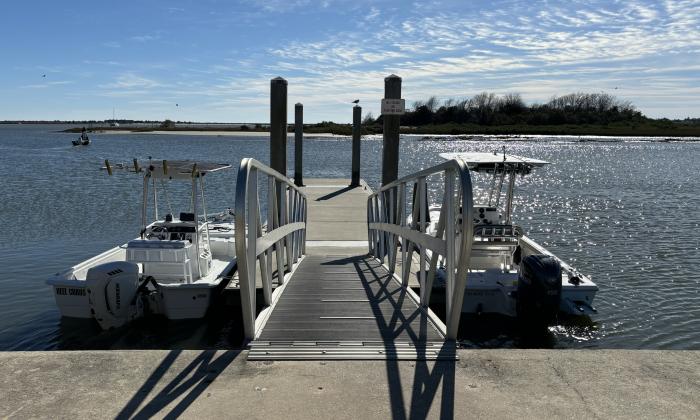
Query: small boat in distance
172, 268
83, 140
509, 273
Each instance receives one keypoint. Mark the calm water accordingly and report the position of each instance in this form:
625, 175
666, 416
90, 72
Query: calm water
624, 212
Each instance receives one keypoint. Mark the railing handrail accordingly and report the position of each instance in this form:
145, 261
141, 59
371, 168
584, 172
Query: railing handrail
286, 232
453, 237
424, 173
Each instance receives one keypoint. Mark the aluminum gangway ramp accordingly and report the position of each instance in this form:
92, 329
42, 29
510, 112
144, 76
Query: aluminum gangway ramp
345, 260
347, 307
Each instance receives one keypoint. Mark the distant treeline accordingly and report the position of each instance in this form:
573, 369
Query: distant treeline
510, 109
79, 121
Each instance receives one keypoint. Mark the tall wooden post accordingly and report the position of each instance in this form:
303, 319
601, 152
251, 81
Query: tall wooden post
278, 125
356, 135
298, 144
390, 151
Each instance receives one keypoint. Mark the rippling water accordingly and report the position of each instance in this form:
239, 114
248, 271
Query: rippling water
624, 212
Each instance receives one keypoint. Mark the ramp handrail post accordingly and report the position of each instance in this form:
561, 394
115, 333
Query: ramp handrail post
451, 239
285, 234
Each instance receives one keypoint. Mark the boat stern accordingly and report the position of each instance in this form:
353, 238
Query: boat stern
71, 296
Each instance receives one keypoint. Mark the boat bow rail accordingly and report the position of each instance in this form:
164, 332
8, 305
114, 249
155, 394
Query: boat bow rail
285, 235
399, 219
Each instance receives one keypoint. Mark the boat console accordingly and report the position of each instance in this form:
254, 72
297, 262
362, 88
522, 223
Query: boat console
182, 229
168, 250
485, 215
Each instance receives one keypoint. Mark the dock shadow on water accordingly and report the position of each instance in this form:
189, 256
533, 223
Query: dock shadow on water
187, 385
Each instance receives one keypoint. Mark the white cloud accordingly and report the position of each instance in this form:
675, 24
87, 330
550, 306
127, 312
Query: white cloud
48, 84
131, 81
145, 37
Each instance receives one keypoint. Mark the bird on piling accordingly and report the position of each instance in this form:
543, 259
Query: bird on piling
356, 101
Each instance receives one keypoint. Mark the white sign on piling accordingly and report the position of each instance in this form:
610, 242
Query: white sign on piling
393, 106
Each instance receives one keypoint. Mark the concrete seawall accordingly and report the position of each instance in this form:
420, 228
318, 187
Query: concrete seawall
482, 384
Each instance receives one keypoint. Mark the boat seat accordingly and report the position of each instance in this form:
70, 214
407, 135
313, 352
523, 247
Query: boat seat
497, 232
144, 243
164, 260
490, 255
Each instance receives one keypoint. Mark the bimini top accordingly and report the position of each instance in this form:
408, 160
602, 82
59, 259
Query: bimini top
489, 162
182, 169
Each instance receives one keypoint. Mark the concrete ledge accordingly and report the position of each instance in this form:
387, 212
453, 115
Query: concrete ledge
482, 384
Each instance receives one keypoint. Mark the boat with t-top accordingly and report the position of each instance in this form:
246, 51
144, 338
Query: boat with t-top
509, 273
175, 265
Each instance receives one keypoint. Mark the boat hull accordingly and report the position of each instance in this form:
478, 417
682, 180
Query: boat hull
72, 301
174, 300
185, 303
494, 290
490, 292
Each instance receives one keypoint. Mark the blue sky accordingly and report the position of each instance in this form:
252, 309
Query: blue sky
215, 58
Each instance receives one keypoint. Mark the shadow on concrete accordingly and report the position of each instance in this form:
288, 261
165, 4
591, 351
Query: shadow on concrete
426, 378
337, 193
188, 384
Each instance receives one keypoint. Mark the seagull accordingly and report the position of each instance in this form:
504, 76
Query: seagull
356, 101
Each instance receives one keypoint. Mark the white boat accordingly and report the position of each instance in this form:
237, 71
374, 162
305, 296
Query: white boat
509, 273
172, 268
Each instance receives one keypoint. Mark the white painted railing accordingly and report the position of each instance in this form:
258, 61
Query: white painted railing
391, 227
285, 232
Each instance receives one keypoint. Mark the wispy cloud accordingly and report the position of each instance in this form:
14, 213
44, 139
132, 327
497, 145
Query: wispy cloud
280, 6
221, 56
48, 84
507, 43
131, 81
146, 37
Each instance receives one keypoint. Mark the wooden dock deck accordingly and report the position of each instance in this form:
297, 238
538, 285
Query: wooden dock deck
341, 303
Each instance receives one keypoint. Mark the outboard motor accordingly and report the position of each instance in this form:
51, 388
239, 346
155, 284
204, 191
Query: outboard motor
539, 290
112, 288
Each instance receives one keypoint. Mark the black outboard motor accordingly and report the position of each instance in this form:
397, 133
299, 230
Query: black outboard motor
539, 290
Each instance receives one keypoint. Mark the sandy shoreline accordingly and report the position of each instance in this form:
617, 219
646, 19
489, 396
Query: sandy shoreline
212, 133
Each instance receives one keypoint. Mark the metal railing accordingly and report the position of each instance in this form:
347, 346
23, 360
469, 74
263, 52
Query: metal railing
285, 235
390, 227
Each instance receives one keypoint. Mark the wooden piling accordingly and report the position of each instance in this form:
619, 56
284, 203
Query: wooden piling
390, 150
278, 125
356, 135
298, 144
